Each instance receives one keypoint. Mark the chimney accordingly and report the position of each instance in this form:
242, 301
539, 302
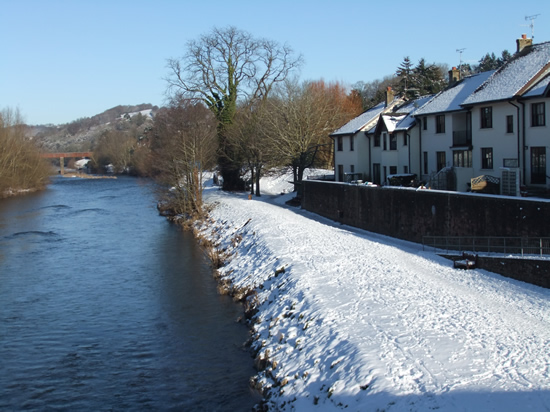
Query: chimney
389, 96
523, 42
454, 76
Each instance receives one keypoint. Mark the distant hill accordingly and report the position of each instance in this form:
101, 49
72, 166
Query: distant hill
81, 134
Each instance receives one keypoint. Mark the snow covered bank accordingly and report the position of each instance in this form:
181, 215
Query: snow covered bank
352, 320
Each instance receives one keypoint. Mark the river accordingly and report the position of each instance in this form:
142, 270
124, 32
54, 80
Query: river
104, 305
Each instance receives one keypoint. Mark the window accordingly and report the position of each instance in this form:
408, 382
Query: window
538, 117
405, 169
441, 160
385, 141
340, 144
424, 123
340, 173
393, 170
405, 139
486, 117
393, 141
462, 158
377, 140
351, 148
352, 169
486, 157
440, 123
510, 124
425, 157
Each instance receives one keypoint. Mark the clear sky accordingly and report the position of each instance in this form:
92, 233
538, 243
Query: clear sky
66, 59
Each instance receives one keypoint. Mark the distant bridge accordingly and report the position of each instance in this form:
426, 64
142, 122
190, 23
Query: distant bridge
62, 156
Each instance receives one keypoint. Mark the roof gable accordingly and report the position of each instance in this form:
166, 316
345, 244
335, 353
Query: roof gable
540, 89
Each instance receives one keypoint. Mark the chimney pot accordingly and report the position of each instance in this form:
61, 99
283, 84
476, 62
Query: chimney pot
523, 36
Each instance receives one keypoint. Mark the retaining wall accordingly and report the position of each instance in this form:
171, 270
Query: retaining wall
409, 214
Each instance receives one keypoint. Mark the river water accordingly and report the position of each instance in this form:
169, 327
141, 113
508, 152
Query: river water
104, 305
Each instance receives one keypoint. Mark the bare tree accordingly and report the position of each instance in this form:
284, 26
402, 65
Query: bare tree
303, 115
183, 141
249, 132
20, 164
222, 67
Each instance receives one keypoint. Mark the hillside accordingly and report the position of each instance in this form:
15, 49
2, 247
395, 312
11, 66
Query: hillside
81, 134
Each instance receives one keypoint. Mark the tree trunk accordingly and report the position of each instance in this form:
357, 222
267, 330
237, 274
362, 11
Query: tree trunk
258, 175
252, 175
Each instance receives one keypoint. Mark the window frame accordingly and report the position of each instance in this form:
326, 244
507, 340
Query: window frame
440, 123
486, 117
462, 158
487, 158
538, 117
510, 123
393, 141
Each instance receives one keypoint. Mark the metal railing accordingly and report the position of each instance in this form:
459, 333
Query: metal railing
533, 246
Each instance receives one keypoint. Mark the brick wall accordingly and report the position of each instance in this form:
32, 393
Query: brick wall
410, 214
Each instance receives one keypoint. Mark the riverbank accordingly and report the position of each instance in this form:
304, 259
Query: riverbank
346, 319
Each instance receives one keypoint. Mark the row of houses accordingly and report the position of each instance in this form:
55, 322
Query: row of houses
489, 126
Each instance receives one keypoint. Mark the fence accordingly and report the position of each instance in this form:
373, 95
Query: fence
534, 246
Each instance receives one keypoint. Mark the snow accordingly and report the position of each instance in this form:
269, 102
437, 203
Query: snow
352, 320
506, 82
451, 99
145, 113
361, 121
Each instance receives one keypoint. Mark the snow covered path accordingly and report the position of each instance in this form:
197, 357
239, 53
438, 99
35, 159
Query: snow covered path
366, 322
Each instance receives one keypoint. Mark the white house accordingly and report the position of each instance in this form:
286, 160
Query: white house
395, 142
509, 114
489, 124
351, 144
445, 133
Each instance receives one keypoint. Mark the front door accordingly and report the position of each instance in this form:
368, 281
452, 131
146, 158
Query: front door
538, 165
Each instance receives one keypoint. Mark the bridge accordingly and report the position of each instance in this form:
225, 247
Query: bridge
62, 156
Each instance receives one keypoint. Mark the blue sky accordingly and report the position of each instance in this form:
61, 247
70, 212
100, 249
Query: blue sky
63, 60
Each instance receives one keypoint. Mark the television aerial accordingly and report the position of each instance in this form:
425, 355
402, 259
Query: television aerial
532, 25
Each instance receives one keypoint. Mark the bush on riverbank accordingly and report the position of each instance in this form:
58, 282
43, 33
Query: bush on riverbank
21, 168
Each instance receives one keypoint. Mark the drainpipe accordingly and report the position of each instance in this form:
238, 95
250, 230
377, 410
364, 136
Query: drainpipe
408, 137
518, 133
370, 166
420, 163
523, 145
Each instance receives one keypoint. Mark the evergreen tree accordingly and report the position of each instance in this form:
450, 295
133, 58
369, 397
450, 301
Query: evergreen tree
406, 76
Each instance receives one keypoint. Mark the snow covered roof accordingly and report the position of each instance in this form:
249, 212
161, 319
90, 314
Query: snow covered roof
410, 108
451, 99
391, 121
355, 125
539, 89
508, 81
